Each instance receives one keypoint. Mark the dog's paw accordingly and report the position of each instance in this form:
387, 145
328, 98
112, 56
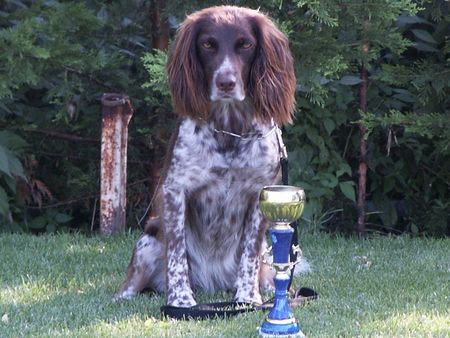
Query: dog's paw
253, 297
183, 303
125, 295
181, 299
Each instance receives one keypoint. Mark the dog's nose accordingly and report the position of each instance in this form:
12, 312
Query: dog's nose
226, 82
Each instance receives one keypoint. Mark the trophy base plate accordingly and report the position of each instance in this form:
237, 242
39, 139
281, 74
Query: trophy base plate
268, 330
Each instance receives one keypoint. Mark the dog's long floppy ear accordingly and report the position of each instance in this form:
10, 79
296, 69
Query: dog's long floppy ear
187, 82
272, 82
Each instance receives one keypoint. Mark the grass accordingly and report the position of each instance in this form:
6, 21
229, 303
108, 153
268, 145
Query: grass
61, 286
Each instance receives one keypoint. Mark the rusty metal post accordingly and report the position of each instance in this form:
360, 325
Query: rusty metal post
116, 114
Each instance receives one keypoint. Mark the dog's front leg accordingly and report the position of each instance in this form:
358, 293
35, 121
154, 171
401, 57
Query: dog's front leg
179, 292
247, 283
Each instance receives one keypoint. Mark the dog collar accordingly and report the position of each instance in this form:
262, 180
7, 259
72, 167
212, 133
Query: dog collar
252, 136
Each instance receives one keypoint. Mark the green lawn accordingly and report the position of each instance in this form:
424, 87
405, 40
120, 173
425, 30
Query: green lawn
62, 285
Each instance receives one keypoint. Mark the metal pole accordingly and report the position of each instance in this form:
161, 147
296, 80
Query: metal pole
116, 114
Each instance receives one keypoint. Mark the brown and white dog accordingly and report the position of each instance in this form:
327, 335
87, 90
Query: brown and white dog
232, 81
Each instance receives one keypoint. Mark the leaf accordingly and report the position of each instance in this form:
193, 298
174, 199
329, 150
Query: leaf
5, 108
404, 20
304, 185
51, 227
349, 80
126, 22
405, 98
10, 183
323, 80
12, 141
424, 36
329, 125
401, 91
38, 223
348, 189
424, 47
4, 161
344, 168
10, 164
328, 180
41, 53
303, 88
16, 167
62, 218
4, 205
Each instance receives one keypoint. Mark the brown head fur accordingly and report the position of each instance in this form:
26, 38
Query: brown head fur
271, 83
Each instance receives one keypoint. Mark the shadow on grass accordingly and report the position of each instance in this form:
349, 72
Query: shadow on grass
63, 286
64, 283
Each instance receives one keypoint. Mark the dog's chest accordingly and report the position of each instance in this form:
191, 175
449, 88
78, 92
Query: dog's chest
208, 158
223, 177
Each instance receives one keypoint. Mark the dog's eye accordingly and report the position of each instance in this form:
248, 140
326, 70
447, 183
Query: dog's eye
207, 45
244, 44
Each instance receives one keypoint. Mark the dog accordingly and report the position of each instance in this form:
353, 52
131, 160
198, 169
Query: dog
232, 81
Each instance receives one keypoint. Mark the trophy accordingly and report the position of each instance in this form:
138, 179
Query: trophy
281, 205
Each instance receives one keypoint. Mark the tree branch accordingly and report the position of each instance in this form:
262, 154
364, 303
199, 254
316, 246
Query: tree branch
59, 135
362, 171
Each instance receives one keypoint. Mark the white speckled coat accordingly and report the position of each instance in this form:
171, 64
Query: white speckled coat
232, 82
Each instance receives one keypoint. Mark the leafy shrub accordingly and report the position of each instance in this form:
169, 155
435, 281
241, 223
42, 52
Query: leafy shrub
58, 57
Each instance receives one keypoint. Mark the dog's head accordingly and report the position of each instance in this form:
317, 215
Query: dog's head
226, 53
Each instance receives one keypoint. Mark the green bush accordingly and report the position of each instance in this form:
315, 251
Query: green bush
58, 57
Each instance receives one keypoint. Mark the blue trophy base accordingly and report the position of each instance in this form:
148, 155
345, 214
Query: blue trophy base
280, 322
269, 330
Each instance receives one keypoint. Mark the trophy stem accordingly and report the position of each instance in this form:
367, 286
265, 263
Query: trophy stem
280, 321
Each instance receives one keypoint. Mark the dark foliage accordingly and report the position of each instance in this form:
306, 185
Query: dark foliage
59, 57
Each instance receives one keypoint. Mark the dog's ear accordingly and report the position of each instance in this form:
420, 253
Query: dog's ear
190, 96
272, 81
